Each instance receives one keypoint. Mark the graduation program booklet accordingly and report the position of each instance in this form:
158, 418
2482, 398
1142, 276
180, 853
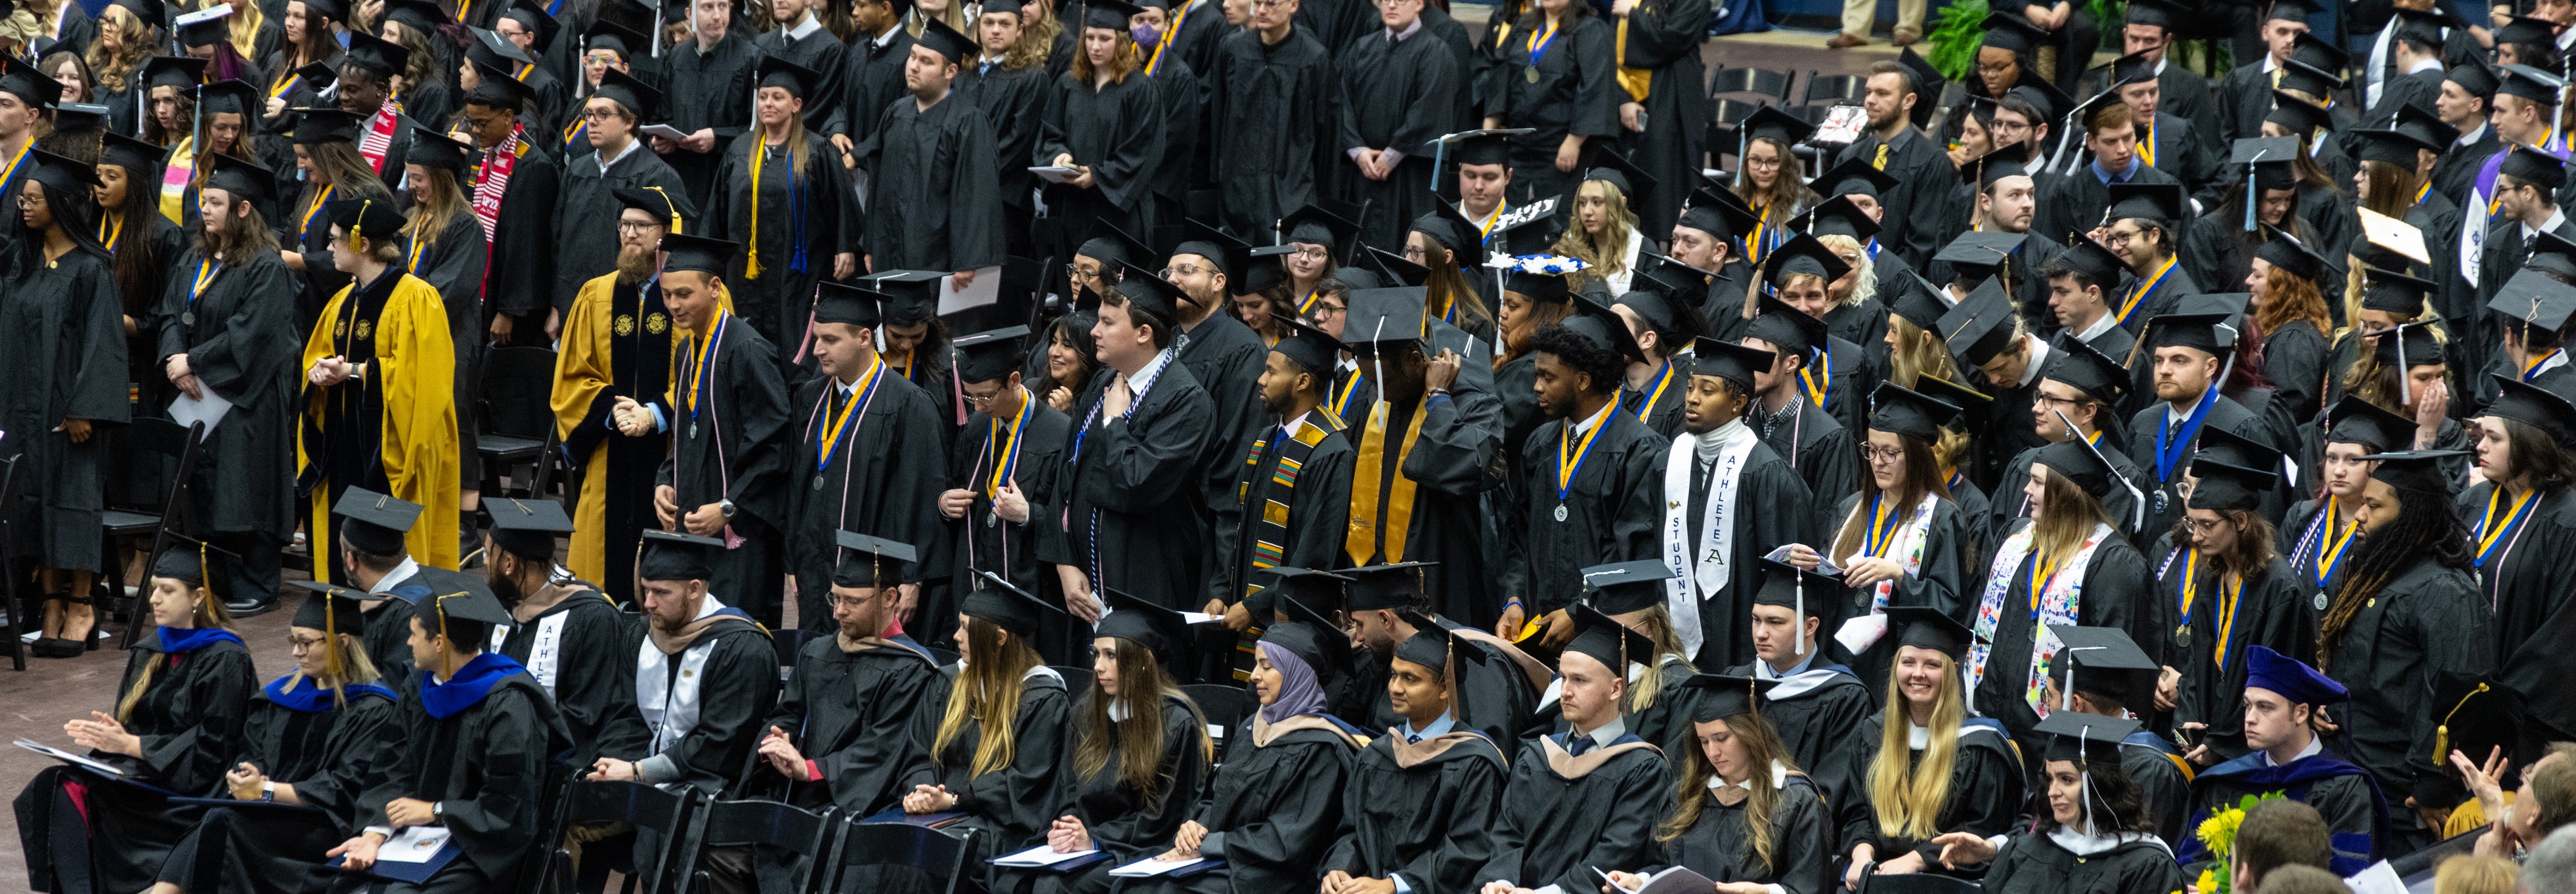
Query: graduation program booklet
1675, 880
1153, 866
986, 289
80, 760
895, 814
1045, 857
209, 410
1056, 174
411, 855
664, 131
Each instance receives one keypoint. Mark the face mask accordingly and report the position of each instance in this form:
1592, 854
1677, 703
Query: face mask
1146, 35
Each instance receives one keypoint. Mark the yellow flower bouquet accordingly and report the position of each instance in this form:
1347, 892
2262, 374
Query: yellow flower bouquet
2218, 834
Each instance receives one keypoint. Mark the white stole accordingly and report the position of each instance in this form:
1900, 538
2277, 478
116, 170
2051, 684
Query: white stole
1710, 571
670, 706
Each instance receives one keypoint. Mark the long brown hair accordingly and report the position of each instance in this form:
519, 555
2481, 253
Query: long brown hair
345, 171
987, 694
2392, 188
115, 71
240, 238
446, 202
1922, 476
1762, 748
1037, 40
2066, 515
1788, 194
210, 614
157, 135
1448, 284
1906, 795
1138, 740
1121, 65
1516, 339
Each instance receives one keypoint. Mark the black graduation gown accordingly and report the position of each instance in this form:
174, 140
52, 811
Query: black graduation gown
1664, 417
2244, 99
1563, 814
1270, 109
1576, 94
737, 686
1923, 175
729, 448
454, 263
1127, 824
521, 278
804, 220
1013, 101
2216, 249
1447, 468
1012, 806
1942, 580
2037, 864
1396, 95
2076, 202
1823, 453
1273, 809
308, 233
64, 333
489, 769
2114, 595
1849, 380
819, 51
2527, 586
242, 348
2008, 506
1611, 512
585, 242
2164, 785
851, 714
1720, 844
2427, 621
982, 541
2455, 174
1822, 718
1767, 482
1182, 97
2294, 361
2272, 610
592, 677
1116, 132
1664, 39
162, 244
871, 80
1131, 519
1226, 358
2149, 423
709, 90
1985, 791
883, 481
338, 759
1315, 499
1427, 811
934, 200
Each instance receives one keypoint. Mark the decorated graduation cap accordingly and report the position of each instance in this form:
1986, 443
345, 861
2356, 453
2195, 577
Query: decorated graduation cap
1613, 644
2154, 201
659, 202
682, 251
991, 355
2354, 420
1981, 326
2419, 471
374, 523
527, 528
2534, 406
2009, 161
938, 37
869, 562
2394, 292
140, 159
636, 96
2007, 31
1786, 328
2082, 463
2474, 77
1310, 348
2287, 254
1805, 593
1719, 214
2101, 661
205, 27
1537, 284
2530, 83
497, 89
1730, 361
2212, 333
1604, 328
2533, 300
998, 602
2226, 486
1930, 628
1316, 224
1395, 587
1803, 254
1855, 176
2533, 166
315, 126
239, 178
375, 54
673, 555
1111, 14
438, 151
2291, 678
1160, 630
779, 72
1899, 410
182, 72
1837, 216
1612, 168
1145, 289
2085, 368
1622, 587
1722, 697
1384, 317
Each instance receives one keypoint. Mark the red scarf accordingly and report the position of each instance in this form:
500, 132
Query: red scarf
493, 180
379, 137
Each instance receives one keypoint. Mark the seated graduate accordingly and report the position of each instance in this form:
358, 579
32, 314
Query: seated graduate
2097, 836
2066, 565
841, 735
1820, 707
374, 556
997, 774
1745, 816
2285, 700
324, 737
178, 725
568, 634
1933, 767
1139, 752
1387, 605
1420, 809
1635, 594
1275, 806
2102, 672
1589, 796
476, 744
705, 675
1901, 538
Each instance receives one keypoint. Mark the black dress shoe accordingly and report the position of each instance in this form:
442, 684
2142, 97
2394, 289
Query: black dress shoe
250, 608
50, 647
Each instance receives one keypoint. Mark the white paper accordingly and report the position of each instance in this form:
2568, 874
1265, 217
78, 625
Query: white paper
1041, 855
1055, 174
59, 754
209, 410
1551, 889
1858, 634
664, 131
1824, 565
1199, 618
1152, 867
986, 289
413, 845
2380, 878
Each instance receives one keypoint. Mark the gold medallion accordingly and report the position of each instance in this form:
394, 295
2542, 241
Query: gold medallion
365, 327
1530, 74
656, 323
624, 325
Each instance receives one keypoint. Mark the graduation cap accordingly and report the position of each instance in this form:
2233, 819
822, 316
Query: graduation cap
2474, 78
1613, 644
2292, 11
315, 126
1160, 630
2006, 31
423, 16
2009, 161
712, 257
1110, 14
150, 12
2426, 125
2134, 68
2084, 111
2100, 661
1538, 284
1931, 628
2096, 263
2530, 83
1927, 81
2287, 254
431, 149
181, 72
851, 306
375, 53
1316, 224
1395, 587
2407, 346
2388, 243
1206, 241
1429, 647
2357, 421
1144, 289
2534, 300
2319, 53
532, 15
2392, 146
1978, 253
1395, 270
140, 159
2303, 119
1383, 317
939, 38
1968, 400
1918, 301
992, 355
1789, 586
2153, 201
1719, 214
2551, 253
489, 48
1855, 176
2474, 714
1770, 123
1468, 147
659, 202
2533, 406
527, 528
365, 218
2291, 678
194, 561
1263, 268
234, 176
2085, 740
797, 80
1837, 216
909, 297
1446, 226
2528, 29
475, 605
869, 562
375, 523
2081, 462
1648, 300
205, 27
2534, 166
1308, 633
497, 89
1722, 697
673, 555
335, 10
1612, 168
2394, 292
1112, 246
2418, 471
35, 89
2207, 332
1308, 347
2229, 486
1623, 587
2051, 103
2085, 368
1730, 361
1785, 328
1803, 254
998, 602
1317, 591
615, 38
636, 96
332, 609
63, 176
1904, 411
1981, 326
2158, 13
2226, 446
1604, 328
231, 96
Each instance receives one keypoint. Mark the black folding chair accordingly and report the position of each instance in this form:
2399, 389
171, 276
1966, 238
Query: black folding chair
646, 807
117, 525
1827, 88
1769, 82
9, 582
518, 417
772, 831
1077, 680
936, 857
1226, 706
1916, 883
1724, 114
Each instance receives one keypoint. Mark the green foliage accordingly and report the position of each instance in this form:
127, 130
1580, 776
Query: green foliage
1957, 31
2109, 13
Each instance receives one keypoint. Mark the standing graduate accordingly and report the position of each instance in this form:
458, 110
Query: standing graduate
841, 734
2067, 565
27, 98
477, 751
1663, 118
1397, 95
1002, 472
2186, 353
585, 247
513, 184
1956, 772
2522, 530
378, 401
2098, 835
723, 475
617, 348
1423, 800
1743, 812
1131, 510
216, 335
327, 160
1102, 119
1579, 520
795, 33
1589, 796
1893, 145
966, 757
1227, 359
144, 254
2283, 701
1290, 500
1271, 96
869, 440
785, 198
934, 198
443, 244
1009, 83
1663, 329
1818, 708
709, 78
1716, 476
705, 676
1558, 76
873, 69
1790, 403
568, 634
178, 719
324, 738
2253, 599
2318, 534
2291, 314
1902, 539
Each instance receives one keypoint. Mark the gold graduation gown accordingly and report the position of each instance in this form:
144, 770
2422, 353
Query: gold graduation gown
586, 385
410, 386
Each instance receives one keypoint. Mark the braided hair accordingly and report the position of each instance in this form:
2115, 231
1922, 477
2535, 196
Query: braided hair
2424, 528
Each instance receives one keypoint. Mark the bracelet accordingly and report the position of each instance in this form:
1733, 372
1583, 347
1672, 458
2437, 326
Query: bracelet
1439, 392
268, 790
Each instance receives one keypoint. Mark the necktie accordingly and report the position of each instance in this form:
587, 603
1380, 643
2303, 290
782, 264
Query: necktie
1880, 162
1412, 739
1580, 745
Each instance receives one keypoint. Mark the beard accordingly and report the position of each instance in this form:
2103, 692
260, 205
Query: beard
506, 589
635, 265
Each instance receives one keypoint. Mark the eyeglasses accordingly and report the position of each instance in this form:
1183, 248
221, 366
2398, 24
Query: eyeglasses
1184, 270
1313, 253
480, 123
1757, 161
28, 202
1323, 310
1414, 253
2054, 401
602, 58
2206, 525
977, 400
304, 643
854, 602
1876, 454
630, 226
597, 114
2119, 238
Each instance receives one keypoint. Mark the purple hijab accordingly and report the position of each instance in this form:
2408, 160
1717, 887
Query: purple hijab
1298, 691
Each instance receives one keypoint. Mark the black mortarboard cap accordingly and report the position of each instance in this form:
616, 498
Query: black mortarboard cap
1602, 326
1808, 593
2394, 292
1930, 628
671, 555
1927, 83
1429, 647
431, 149
2531, 298
1854, 176
868, 561
2229, 486
1538, 286
851, 306
2009, 161
1786, 328
1918, 301
2527, 29
2052, 103
660, 202
2534, 166
2006, 31
911, 297
1145, 289
375, 523
2159, 13
1613, 644
1308, 633
2530, 83
1263, 268
615, 38
1610, 167
2286, 253
1383, 316
423, 16
2408, 346
2095, 262
239, 178
2209, 332
1396, 587
2080, 462
499, 90
939, 38
375, 53
527, 528
686, 252
1981, 326
2159, 201
991, 355
2103, 660
2392, 146
2534, 406
189, 559
1721, 697
1394, 268
1980, 251
1904, 411
182, 72
331, 608
490, 48
2085, 368
472, 604
1718, 214
314, 126
2415, 120
1446, 226
1622, 587
1730, 361
230, 96
1769, 122
1317, 224
1006, 606
1837, 216
2475, 77
2550, 253
2292, 10
1968, 400
778, 71
205, 27
1160, 630
637, 96
1226, 252
2319, 53
532, 15
2357, 421
2474, 714
1111, 14
2090, 738
1803, 254
2419, 471
1310, 348
369, 218
141, 160
152, 13
2303, 119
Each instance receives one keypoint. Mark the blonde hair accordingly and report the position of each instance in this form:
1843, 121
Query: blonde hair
2473, 874
1658, 623
355, 668
210, 614
987, 693
1905, 795
1609, 254
1762, 748
242, 27
1866, 286
1918, 352
430, 219
1037, 39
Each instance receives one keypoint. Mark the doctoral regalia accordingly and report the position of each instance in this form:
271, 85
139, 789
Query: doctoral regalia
729, 416
521, 280
2271, 610
2525, 579
1764, 484
1424, 810
790, 225
1985, 790
586, 209
238, 347
850, 707
2112, 592
1274, 808
1820, 713
2427, 621
391, 430
1399, 95
871, 469
581, 651
1027, 449
1129, 489
337, 753
1124, 823
65, 340
1270, 109
2344, 795
1563, 814
616, 343
1609, 512
481, 747
1116, 132
935, 200
1656, 48
1290, 501
1720, 845
709, 90
1012, 806
2068, 862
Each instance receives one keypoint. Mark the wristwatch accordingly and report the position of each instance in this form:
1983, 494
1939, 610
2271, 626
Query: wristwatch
438, 810
726, 507
268, 790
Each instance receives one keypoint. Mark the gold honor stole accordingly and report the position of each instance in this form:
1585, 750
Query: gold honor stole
1367, 522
